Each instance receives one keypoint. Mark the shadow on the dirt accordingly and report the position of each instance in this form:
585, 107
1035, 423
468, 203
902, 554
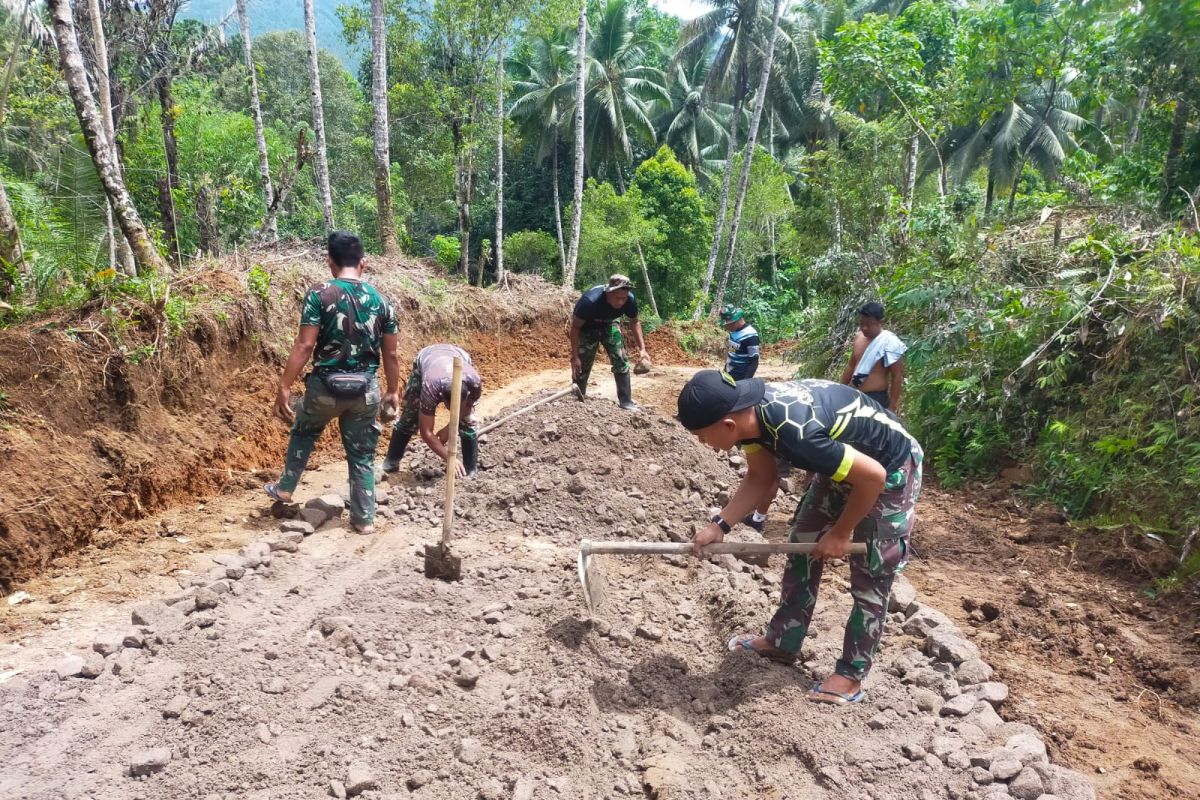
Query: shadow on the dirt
666, 682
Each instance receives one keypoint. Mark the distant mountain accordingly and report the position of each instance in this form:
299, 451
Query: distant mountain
280, 15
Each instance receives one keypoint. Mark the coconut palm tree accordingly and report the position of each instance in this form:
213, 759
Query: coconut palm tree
580, 110
99, 144
693, 122
1035, 127
621, 89
379, 102
542, 86
321, 162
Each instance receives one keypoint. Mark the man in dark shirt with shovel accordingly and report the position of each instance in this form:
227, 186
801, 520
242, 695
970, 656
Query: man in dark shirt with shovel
867, 477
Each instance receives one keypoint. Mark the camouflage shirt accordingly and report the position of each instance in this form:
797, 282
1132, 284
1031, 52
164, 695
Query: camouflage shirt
341, 347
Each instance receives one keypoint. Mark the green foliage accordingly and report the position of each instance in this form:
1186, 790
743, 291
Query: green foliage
533, 253
669, 200
446, 250
258, 280
613, 231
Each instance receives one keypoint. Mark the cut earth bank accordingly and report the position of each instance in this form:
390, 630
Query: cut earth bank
316, 664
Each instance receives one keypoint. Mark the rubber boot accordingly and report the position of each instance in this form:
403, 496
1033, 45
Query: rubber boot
470, 453
395, 451
625, 391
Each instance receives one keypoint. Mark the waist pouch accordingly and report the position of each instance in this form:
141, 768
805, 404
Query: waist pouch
347, 384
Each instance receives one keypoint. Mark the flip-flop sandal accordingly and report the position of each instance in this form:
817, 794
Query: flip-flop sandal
365, 530
272, 490
819, 694
741, 643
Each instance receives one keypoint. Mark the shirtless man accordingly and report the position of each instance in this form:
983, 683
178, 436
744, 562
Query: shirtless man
876, 365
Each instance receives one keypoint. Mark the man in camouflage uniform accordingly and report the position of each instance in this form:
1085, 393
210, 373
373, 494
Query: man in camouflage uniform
348, 328
594, 323
843, 437
429, 386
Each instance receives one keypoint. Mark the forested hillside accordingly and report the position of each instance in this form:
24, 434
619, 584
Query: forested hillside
1016, 180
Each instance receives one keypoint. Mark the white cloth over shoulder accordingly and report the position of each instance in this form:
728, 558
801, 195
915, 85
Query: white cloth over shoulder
885, 347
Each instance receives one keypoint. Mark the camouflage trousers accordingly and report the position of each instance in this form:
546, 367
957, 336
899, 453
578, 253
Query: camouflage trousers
410, 409
885, 530
590, 339
360, 432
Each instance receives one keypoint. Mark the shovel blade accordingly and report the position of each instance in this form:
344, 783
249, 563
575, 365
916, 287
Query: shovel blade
442, 564
592, 581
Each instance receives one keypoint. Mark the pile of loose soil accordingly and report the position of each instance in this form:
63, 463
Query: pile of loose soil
317, 663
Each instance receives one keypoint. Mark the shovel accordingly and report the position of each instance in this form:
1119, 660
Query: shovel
591, 576
440, 563
573, 389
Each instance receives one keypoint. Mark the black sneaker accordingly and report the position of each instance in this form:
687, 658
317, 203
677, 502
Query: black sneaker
758, 525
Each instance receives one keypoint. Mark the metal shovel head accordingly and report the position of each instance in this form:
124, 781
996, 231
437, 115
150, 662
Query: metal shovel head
591, 579
441, 564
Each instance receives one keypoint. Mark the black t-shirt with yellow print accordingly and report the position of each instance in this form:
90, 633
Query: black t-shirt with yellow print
820, 426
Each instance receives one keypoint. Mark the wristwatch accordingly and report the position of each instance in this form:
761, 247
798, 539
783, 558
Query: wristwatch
720, 522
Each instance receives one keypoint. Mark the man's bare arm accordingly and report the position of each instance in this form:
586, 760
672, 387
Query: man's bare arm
896, 374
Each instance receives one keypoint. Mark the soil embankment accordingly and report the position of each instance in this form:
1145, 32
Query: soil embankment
117, 411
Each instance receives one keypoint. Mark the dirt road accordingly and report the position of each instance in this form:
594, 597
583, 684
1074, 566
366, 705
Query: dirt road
337, 668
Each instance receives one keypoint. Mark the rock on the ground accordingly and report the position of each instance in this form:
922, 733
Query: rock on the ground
176, 706
314, 517
945, 644
70, 667
925, 619
331, 505
1027, 785
1028, 748
927, 700
903, 594
147, 762
418, 779
959, 706
993, 692
274, 686
206, 598
648, 631
1005, 767
973, 671
299, 526
108, 643
93, 666
491, 789
469, 751
1065, 784
468, 674
359, 779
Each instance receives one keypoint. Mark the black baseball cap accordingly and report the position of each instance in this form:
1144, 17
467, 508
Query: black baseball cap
712, 394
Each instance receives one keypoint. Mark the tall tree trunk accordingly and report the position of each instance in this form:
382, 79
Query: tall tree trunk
166, 103
562, 250
206, 219
748, 159
118, 248
719, 297
287, 179
987, 202
10, 233
1135, 124
321, 162
577, 210
722, 209
499, 259
910, 174
646, 279
1179, 122
383, 156
264, 163
102, 149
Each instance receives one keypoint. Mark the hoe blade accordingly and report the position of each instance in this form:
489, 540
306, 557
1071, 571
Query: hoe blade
441, 564
592, 581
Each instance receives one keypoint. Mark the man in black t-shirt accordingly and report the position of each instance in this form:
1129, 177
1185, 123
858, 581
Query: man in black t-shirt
594, 323
843, 437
